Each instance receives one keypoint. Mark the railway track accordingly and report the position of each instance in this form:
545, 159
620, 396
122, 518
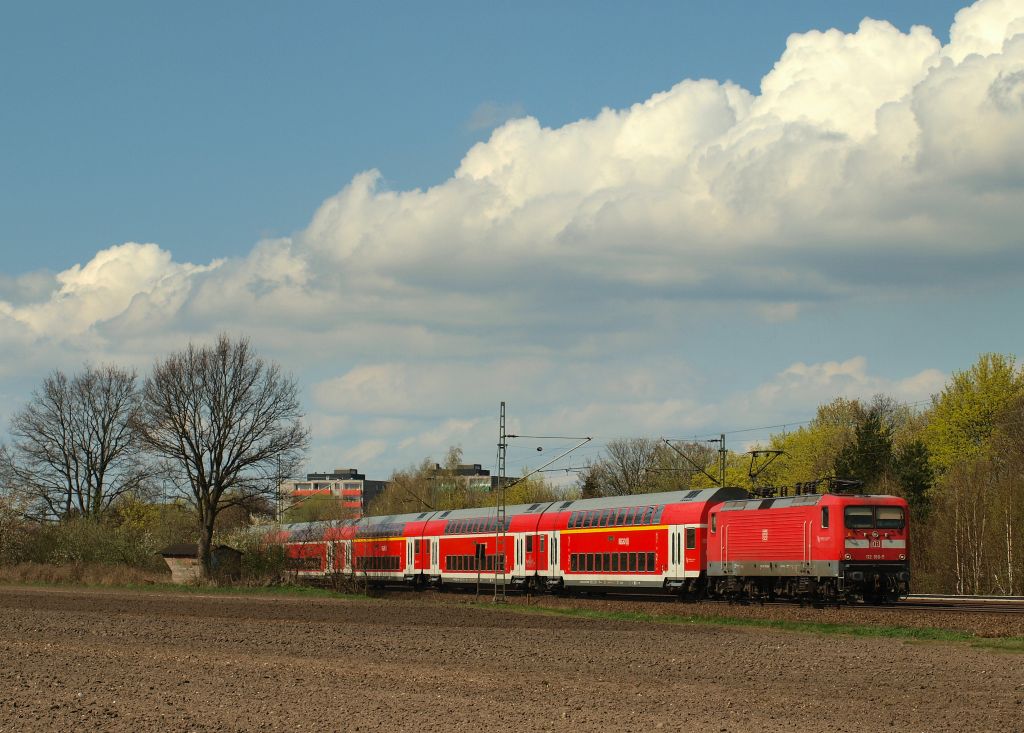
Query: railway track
963, 604
913, 602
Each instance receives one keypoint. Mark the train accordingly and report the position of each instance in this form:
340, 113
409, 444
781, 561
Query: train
699, 543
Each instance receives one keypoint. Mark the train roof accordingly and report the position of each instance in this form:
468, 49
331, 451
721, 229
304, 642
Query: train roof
369, 523
696, 496
781, 502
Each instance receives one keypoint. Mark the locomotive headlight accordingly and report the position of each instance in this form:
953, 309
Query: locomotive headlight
902, 556
847, 556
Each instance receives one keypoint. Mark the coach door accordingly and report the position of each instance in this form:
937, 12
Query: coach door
553, 570
435, 560
519, 568
675, 551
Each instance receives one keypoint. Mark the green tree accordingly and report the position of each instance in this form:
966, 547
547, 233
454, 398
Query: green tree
913, 470
868, 456
316, 508
811, 451
964, 415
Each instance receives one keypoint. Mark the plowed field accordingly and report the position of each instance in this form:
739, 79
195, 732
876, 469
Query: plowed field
73, 659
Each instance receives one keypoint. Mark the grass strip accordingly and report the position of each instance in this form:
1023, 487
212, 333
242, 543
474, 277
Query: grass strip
303, 591
908, 633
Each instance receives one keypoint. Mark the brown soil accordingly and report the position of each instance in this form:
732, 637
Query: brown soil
985, 625
74, 659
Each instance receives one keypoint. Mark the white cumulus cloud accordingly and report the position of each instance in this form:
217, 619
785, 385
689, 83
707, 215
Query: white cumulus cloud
574, 269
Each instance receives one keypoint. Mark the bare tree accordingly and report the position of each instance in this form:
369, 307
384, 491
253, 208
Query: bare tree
226, 423
75, 449
626, 468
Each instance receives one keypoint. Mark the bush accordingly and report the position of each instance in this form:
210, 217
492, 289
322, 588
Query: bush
263, 563
131, 536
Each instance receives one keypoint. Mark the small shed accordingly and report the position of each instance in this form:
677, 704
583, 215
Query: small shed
183, 560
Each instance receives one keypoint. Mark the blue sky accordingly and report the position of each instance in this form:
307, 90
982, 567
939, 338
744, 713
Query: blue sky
205, 127
701, 256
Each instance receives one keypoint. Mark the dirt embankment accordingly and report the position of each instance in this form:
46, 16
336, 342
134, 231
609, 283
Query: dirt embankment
126, 661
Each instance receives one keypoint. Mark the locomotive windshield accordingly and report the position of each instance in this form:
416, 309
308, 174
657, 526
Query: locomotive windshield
889, 517
873, 517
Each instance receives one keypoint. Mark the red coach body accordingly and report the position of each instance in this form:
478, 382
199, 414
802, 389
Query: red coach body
822, 546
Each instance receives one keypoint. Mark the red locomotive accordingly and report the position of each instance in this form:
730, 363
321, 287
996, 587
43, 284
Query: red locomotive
825, 547
828, 547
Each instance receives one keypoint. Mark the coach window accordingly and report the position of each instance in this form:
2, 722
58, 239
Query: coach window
648, 513
615, 562
641, 562
824, 517
632, 562
607, 564
714, 523
572, 563
590, 562
658, 513
604, 517
543, 545
691, 538
529, 543
650, 562
416, 546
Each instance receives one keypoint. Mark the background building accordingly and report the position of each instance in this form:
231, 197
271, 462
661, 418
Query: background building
469, 476
353, 490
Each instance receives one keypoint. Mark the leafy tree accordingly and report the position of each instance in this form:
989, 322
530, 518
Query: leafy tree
811, 451
226, 423
409, 490
869, 455
75, 448
964, 415
913, 470
317, 508
530, 490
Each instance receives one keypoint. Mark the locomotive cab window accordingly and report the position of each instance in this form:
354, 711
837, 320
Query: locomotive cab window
889, 517
824, 517
714, 523
859, 517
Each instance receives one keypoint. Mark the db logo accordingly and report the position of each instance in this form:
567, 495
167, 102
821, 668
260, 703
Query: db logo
764, 535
